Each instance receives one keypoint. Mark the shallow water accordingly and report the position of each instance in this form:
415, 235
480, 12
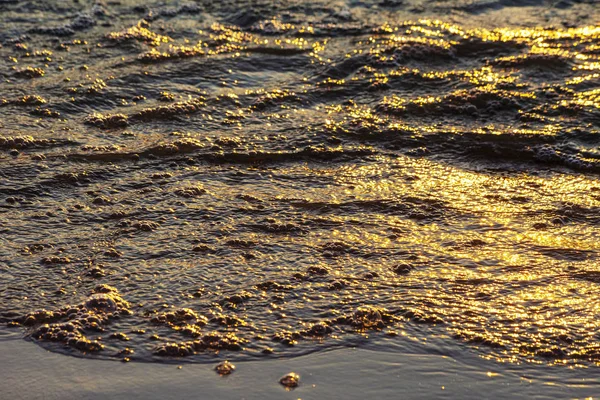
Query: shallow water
256, 180
29, 372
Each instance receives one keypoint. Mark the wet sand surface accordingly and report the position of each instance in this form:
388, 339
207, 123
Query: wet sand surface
198, 181
29, 372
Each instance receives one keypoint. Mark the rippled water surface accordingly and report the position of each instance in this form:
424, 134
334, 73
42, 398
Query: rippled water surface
258, 179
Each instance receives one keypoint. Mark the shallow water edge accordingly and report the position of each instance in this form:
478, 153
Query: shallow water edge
30, 372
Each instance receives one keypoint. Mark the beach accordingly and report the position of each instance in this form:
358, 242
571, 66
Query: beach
29, 372
395, 198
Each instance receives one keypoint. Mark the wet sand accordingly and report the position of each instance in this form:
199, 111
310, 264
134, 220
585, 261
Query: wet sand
30, 372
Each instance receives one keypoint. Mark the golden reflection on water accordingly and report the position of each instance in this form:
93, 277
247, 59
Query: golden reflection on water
507, 285
413, 177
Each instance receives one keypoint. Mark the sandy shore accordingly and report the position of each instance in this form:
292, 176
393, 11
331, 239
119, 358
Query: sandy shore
30, 372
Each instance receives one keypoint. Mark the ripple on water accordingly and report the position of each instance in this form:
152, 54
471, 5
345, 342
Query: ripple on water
243, 180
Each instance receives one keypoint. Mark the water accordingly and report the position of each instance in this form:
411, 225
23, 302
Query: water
257, 180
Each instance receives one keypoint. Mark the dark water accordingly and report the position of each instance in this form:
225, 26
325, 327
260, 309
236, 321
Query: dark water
260, 179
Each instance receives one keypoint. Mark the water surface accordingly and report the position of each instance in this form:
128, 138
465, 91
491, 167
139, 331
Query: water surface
257, 180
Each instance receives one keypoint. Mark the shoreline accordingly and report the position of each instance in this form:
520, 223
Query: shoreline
31, 372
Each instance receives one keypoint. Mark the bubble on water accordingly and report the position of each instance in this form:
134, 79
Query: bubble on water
290, 380
225, 368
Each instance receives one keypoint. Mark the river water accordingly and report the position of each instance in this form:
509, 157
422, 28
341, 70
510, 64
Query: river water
249, 179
